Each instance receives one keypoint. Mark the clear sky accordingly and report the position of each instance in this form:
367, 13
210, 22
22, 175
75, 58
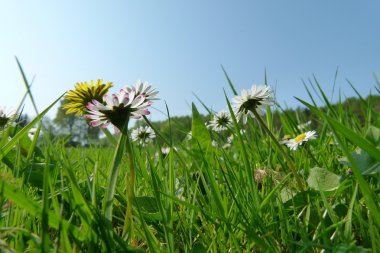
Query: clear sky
179, 47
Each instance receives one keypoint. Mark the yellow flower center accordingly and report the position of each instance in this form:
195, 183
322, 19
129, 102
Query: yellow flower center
300, 138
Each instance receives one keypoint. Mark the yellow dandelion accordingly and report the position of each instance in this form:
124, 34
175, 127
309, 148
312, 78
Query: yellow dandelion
83, 93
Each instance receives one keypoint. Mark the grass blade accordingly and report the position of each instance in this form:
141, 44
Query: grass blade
7, 147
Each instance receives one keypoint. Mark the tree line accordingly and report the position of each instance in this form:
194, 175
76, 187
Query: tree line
76, 131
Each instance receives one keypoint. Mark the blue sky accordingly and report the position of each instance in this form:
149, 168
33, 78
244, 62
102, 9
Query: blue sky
180, 46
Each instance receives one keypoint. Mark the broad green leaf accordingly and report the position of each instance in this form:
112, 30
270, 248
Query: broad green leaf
321, 179
373, 135
286, 194
366, 163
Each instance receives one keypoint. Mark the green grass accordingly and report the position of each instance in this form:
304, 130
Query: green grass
198, 198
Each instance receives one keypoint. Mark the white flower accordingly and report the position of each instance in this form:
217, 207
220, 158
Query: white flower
221, 121
227, 145
208, 126
5, 115
143, 88
179, 189
117, 109
242, 132
297, 141
166, 150
31, 133
189, 136
91, 177
304, 125
229, 142
214, 143
143, 135
257, 98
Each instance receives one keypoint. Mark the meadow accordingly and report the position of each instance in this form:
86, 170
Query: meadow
246, 186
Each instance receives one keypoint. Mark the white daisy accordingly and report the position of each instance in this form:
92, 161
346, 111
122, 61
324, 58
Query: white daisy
31, 133
189, 136
300, 139
143, 135
304, 125
257, 98
208, 126
230, 139
242, 132
179, 189
117, 109
227, 145
221, 121
165, 151
143, 88
5, 115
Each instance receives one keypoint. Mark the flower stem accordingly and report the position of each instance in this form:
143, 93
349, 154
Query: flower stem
291, 164
130, 182
112, 179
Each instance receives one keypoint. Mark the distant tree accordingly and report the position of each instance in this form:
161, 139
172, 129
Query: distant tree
48, 128
76, 127
64, 121
176, 130
179, 126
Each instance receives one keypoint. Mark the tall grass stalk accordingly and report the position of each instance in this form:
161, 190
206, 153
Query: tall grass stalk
291, 165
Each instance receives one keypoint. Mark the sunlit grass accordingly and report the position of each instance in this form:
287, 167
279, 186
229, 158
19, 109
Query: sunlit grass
203, 195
